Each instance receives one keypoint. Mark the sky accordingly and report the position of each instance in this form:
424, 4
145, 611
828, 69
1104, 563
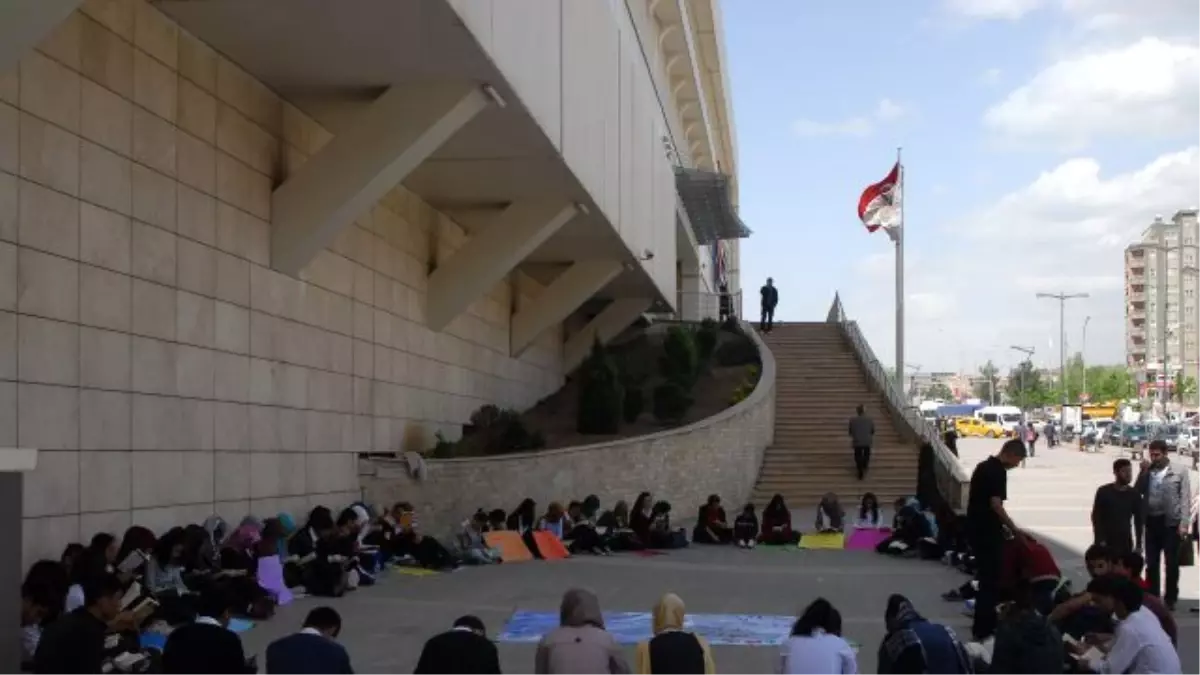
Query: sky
1040, 137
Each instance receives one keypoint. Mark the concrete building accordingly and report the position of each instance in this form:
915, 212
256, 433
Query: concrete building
1162, 303
242, 242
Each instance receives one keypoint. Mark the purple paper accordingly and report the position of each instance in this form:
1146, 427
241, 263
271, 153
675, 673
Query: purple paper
864, 539
270, 578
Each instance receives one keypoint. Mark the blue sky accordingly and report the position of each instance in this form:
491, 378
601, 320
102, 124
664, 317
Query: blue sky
1040, 137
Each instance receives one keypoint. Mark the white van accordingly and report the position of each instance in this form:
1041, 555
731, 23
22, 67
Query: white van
1007, 416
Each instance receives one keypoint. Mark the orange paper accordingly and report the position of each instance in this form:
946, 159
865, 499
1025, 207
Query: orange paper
550, 546
511, 548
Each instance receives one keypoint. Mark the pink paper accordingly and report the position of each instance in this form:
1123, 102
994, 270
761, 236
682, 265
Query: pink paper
862, 539
270, 578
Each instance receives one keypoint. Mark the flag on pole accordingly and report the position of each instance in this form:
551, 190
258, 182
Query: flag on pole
879, 205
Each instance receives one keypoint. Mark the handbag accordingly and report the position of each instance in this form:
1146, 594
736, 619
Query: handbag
1187, 551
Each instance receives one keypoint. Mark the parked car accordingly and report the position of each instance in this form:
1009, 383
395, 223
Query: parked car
1133, 435
973, 426
1167, 433
1112, 434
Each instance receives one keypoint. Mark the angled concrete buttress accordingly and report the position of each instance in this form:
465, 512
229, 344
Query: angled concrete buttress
390, 139
571, 289
484, 260
25, 23
606, 326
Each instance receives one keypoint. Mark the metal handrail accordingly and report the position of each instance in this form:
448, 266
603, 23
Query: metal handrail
877, 372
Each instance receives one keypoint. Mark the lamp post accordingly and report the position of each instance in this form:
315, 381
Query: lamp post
1062, 299
1083, 357
1028, 352
912, 382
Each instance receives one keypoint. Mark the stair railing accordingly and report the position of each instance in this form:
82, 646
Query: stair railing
952, 478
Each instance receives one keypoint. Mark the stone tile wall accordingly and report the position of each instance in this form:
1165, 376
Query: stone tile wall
164, 371
719, 455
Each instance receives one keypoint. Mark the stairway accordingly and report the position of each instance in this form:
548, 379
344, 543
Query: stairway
818, 383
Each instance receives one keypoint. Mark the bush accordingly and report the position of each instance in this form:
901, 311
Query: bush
483, 418
492, 431
731, 325
737, 351
442, 447
746, 387
601, 396
671, 402
706, 340
635, 403
679, 359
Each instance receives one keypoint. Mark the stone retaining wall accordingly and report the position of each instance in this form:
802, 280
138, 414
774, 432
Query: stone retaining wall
721, 455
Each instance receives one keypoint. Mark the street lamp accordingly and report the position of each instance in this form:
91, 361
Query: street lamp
912, 383
1062, 299
1083, 355
1028, 352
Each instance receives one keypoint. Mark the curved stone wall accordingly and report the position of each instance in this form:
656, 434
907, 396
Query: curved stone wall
721, 454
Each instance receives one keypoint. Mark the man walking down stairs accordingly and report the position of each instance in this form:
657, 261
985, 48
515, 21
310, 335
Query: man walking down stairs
862, 436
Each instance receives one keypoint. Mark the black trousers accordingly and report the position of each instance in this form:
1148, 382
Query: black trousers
768, 319
1162, 543
988, 550
862, 459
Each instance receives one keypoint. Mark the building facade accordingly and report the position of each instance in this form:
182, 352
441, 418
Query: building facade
243, 242
1162, 301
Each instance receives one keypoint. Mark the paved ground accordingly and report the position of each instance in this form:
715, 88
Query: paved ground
386, 625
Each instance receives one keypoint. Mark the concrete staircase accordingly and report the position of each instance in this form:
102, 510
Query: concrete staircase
819, 381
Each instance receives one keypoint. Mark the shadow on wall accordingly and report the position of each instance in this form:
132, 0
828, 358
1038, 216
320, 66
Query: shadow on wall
721, 454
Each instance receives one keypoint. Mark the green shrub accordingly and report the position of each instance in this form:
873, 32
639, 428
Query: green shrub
737, 351
731, 325
671, 402
442, 447
706, 340
601, 396
679, 360
635, 403
511, 435
483, 418
746, 387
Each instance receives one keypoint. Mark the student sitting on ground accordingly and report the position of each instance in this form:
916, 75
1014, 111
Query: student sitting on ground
582, 534
777, 524
830, 515
555, 521
268, 576
137, 545
909, 527
1026, 641
745, 527
1140, 645
673, 649
1130, 566
915, 645
164, 579
816, 644
408, 541
312, 557
662, 535
712, 527
580, 644
495, 520
71, 553
464, 648
1078, 616
868, 513
471, 546
43, 593
314, 649
75, 643
619, 536
206, 645
640, 517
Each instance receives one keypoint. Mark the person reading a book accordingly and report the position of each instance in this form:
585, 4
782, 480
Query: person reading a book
1139, 643
524, 521
830, 515
409, 541
868, 513
136, 547
206, 645
777, 523
312, 557
555, 520
164, 579
745, 527
465, 648
618, 534
496, 519
1026, 640
70, 554
672, 649
471, 545
712, 526
816, 644
1130, 566
582, 532
314, 649
75, 643
43, 593
1078, 615
662, 534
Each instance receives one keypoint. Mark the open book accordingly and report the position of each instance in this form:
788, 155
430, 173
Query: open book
136, 601
134, 560
301, 561
1092, 655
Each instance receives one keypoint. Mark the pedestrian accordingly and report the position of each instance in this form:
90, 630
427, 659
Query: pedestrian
986, 519
862, 435
770, 298
1115, 509
1167, 502
1031, 437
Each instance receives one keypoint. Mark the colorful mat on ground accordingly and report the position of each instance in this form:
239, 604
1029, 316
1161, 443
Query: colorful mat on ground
550, 546
156, 640
512, 548
632, 627
414, 571
861, 540
823, 541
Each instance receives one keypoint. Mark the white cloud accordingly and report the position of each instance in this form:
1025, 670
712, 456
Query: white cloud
1088, 15
990, 77
858, 126
1148, 88
1009, 10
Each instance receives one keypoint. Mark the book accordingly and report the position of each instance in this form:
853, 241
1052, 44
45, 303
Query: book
134, 560
132, 594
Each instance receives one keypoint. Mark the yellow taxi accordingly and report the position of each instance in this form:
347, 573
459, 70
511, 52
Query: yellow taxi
973, 426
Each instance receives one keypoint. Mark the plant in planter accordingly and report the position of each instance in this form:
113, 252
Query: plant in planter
601, 396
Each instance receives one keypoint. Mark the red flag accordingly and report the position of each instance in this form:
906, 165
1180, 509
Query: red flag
879, 204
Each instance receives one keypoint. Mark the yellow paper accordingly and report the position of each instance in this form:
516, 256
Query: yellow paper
415, 571
823, 541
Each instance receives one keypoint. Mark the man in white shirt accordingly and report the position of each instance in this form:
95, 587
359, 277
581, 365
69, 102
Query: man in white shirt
1139, 644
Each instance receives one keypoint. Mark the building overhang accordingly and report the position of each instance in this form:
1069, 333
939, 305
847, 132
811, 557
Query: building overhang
707, 199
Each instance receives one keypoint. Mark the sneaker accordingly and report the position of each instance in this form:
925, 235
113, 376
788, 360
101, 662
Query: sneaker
750, 544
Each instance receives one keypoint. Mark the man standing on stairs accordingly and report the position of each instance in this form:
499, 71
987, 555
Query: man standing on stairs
862, 435
770, 298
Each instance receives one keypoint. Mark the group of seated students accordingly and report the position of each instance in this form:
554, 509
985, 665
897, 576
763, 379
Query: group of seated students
92, 607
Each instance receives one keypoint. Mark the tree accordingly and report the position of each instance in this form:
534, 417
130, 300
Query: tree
938, 390
986, 387
1185, 387
1025, 387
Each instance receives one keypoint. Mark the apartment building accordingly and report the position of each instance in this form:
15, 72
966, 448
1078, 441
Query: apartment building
1162, 300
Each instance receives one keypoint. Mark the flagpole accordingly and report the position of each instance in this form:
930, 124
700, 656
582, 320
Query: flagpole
900, 367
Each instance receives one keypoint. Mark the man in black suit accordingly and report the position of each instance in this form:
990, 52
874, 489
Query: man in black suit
206, 645
313, 649
464, 648
74, 643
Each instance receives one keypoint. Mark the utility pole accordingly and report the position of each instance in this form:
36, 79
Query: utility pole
1028, 352
1062, 299
1083, 356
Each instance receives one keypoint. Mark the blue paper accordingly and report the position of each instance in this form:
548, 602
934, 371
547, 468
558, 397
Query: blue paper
153, 640
633, 627
240, 625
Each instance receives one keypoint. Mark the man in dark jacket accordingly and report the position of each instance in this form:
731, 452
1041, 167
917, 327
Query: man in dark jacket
862, 436
74, 643
462, 649
770, 298
313, 649
206, 645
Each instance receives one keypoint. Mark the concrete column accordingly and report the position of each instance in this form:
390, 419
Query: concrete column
484, 260
556, 302
13, 462
25, 23
360, 165
606, 326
